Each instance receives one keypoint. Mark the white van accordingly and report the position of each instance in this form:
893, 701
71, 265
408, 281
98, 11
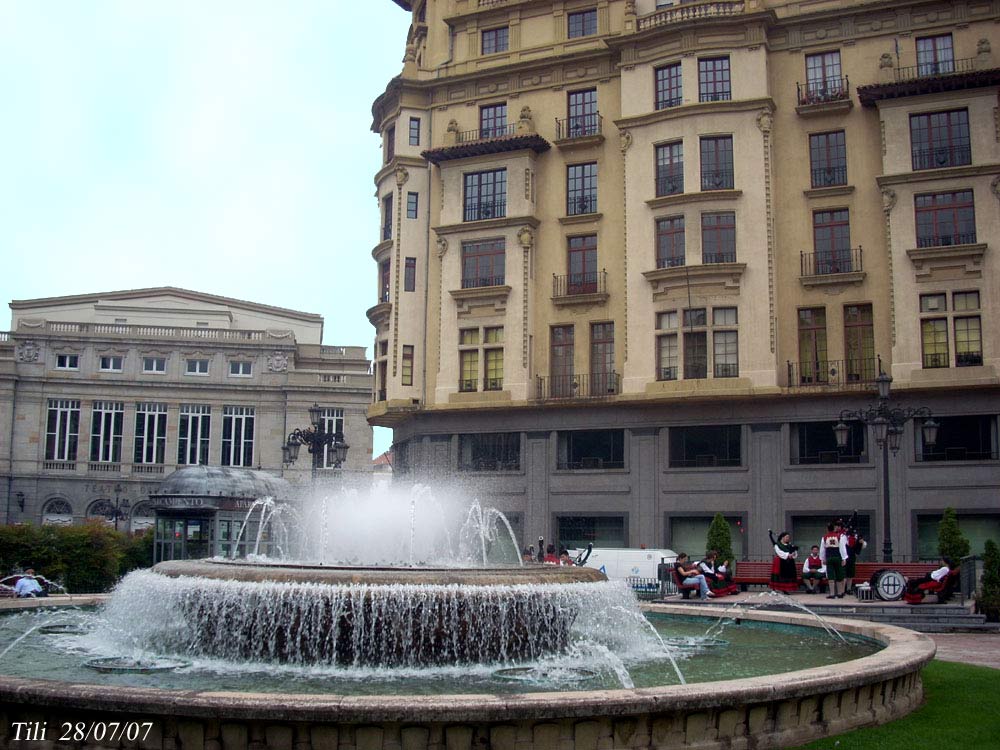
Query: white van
627, 563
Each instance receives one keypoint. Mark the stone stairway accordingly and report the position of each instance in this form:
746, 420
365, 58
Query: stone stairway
925, 618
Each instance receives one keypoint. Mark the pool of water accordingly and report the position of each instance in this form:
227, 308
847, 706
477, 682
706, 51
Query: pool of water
732, 651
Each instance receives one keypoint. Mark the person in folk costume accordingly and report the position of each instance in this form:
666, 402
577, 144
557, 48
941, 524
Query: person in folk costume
813, 570
833, 552
855, 546
717, 574
784, 576
940, 575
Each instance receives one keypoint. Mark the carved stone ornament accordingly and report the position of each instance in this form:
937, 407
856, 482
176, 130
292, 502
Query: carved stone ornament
525, 113
885, 61
626, 140
411, 53
442, 246
995, 186
277, 362
526, 237
764, 121
28, 351
888, 199
630, 7
983, 47
402, 176
452, 126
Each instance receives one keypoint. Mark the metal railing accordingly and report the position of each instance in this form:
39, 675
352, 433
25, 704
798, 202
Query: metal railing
487, 133
581, 204
937, 68
968, 359
850, 372
957, 453
827, 262
821, 92
670, 261
467, 385
475, 282
579, 126
726, 369
588, 386
480, 210
717, 179
715, 96
828, 176
946, 240
703, 460
670, 182
952, 155
695, 368
492, 384
571, 284
690, 13
728, 256
667, 373
934, 360
666, 102
590, 463
645, 589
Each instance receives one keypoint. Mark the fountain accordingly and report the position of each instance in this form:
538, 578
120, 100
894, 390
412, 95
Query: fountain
430, 633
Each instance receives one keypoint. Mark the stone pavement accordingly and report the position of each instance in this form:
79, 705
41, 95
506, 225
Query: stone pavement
982, 649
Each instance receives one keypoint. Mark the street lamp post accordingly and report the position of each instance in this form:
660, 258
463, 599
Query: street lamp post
121, 507
887, 424
317, 439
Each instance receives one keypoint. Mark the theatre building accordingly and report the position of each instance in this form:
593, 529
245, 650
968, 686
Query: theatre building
636, 257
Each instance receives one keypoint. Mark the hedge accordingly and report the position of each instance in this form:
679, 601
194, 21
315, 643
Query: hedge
84, 558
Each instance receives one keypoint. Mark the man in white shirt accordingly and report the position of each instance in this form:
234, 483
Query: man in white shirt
27, 587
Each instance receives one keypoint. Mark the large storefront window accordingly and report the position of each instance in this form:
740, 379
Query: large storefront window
977, 528
576, 532
690, 534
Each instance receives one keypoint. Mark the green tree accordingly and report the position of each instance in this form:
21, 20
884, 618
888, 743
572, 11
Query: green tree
720, 538
951, 542
988, 599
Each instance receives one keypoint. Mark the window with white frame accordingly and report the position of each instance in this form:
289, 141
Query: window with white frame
196, 367
667, 356
333, 422
111, 363
697, 341
239, 368
477, 345
62, 430
67, 361
150, 433
193, 434
106, 424
157, 365
237, 435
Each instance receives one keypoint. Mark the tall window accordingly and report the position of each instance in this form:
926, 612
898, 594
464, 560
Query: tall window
583, 118
667, 357
389, 144
725, 343
482, 263
590, 449
823, 77
705, 446
717, 163
670, 242
561, 353
150, 433
485, 195
934, 330
935, 55
495, 40
411, 205
812, 345
410, 274
237, 435
668, 86
940, 139
493, 358
713, 79
695, 344
581, 189
670, 168
945, 219
968, 340
414, 131
718, 238
384, 279
859, 344
832, 241
406, 365
62, 430
582, 263
493, 120
971, 437
193, 434
333, 423
602, 359
469, 365
491, 451
582, 23
387, 217
828, 159
106, 424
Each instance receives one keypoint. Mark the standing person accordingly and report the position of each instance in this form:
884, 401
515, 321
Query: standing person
784, 576
688, 575
855, 546
833, 553
28, 587
813, 570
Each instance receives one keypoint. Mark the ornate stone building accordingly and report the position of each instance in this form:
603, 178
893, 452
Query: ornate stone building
104, 395
636, 256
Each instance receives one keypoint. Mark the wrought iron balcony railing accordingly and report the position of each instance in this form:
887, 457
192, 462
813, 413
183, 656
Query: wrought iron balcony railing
852, 371
944, 240
475, 282
717, 179
695, 368
593, 386
667, 373
726, 369
594, 282
467, 385
935, 68
670, 182
727, 256
579, 126
847, 260
715, 96
954, 154
670, 261
828, 176
481, 210
492, 384
822, 92
590, 463
581, 204
933, 360
487, 133
968, 359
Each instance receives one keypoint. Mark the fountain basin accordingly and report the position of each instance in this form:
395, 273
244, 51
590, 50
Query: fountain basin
760, 712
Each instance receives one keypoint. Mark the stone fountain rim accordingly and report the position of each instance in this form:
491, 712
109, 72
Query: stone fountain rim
905, 651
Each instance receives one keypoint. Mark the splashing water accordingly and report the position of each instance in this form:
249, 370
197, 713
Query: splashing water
771, 598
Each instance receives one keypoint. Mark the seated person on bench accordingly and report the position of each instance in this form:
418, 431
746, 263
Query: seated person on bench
813, 571
688, 575
940, 581
28, 587
720, 579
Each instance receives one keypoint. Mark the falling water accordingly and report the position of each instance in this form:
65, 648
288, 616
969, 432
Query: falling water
774, 598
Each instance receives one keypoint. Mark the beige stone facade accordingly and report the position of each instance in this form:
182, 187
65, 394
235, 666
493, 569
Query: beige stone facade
783, 197
103, 395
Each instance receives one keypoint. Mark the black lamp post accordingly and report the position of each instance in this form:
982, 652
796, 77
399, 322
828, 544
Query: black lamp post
120, 509
887, 423
317, 439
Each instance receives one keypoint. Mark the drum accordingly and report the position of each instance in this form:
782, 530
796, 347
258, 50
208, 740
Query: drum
888, 584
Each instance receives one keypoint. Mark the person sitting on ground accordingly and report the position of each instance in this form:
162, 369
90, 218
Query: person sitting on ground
813, 570
689, 575
938, 575
28, 587
564, 558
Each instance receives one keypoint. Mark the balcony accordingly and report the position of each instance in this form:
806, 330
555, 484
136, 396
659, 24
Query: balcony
853, 372
832, 267
670, 182
951, 155
935, 360
101, 467
727, 256
495, 139
930, 78
946, 240
716, 179
695, 367
379, 395
823, 97
589, 126
580, 288
934, 69
467, 385
479, 282
726, 369
579, 205
824, 177
667, 373
691, 12
483, 210
492, 384
147, 468
594, 386
153, 332
670, 261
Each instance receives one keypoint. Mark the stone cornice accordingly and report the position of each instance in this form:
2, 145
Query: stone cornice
381, 248
472, 226
832, 279
665, 201
696, 109
967, 258
947, 173
580, 218
828, 192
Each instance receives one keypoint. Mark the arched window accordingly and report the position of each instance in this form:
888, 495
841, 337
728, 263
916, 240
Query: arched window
57, 507
102, 508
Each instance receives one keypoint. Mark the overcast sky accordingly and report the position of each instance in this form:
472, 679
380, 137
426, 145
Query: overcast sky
217, 145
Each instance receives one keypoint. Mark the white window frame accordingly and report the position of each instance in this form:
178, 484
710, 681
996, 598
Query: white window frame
64, 437
67, 362
198, 420
194, 367
107, 422
111, 363
149, 365
150, 443
333, 422
238, 420
237, 367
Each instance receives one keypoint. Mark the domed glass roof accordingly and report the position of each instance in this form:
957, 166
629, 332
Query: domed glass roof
220, 481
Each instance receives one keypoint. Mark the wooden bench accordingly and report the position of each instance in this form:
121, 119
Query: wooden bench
685, 589
758, 573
